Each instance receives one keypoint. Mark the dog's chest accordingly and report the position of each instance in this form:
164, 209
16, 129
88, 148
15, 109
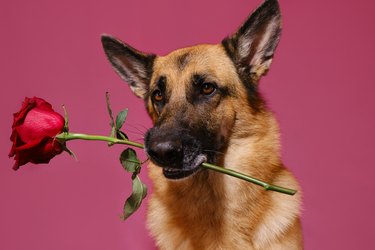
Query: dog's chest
195, 217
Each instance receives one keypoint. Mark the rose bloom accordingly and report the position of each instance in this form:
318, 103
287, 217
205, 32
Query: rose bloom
33, 131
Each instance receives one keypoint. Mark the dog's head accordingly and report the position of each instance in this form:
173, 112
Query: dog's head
194, 95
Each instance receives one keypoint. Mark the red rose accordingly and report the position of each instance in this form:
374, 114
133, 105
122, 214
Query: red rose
33, 131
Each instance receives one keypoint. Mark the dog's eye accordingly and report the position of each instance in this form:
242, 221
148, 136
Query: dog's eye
208, 88
157, 96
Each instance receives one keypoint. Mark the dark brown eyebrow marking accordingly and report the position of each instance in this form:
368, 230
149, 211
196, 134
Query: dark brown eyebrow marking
182, 61
161, 83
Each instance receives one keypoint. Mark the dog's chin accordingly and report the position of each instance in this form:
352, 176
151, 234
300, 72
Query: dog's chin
186, 171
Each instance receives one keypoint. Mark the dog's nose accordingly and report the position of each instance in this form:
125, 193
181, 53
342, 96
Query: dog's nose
167, 153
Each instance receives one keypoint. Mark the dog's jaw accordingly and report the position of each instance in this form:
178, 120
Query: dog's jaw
177, 174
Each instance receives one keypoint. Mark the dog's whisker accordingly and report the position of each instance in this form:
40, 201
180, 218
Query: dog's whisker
139, 139
136, 127
213, 151
134, 132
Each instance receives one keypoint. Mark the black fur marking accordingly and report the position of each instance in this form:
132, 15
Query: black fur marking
162, 83
193, 93
182, 61
199, 79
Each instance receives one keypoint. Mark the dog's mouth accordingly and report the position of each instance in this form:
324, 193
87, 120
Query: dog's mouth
175, 174
180, 173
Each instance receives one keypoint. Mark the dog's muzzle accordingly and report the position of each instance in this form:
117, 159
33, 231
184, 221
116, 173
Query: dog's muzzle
178, 154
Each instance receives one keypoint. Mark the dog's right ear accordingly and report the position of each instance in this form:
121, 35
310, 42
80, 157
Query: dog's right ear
253, 45
130, 64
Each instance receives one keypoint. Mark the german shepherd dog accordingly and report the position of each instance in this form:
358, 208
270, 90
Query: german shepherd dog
205, 106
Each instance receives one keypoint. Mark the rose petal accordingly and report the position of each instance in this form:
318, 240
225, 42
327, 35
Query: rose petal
18, 117
37, 152
39, 124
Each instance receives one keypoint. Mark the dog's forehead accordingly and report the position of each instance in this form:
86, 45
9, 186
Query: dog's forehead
204, 59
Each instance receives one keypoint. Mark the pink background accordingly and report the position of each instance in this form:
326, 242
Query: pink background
321, 87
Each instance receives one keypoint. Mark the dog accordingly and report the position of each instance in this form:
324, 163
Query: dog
206, 107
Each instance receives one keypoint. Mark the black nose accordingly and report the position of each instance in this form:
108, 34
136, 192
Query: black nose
166, 153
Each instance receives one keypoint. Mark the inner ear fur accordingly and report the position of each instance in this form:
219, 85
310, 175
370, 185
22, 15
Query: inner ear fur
131, 65
253, 45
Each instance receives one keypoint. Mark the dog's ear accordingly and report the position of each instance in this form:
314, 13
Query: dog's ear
252, 46
130, 64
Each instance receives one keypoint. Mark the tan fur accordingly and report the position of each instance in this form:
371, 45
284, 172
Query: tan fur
214, 211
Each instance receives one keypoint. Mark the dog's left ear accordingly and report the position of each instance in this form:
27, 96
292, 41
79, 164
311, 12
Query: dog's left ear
131, 65
252, 46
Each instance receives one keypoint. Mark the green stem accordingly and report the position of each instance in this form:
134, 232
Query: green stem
239, 175
74, 136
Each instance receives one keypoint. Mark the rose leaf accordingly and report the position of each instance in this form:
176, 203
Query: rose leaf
130, 161
135, 199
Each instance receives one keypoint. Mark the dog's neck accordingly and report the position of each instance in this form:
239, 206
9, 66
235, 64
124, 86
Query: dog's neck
254, 146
